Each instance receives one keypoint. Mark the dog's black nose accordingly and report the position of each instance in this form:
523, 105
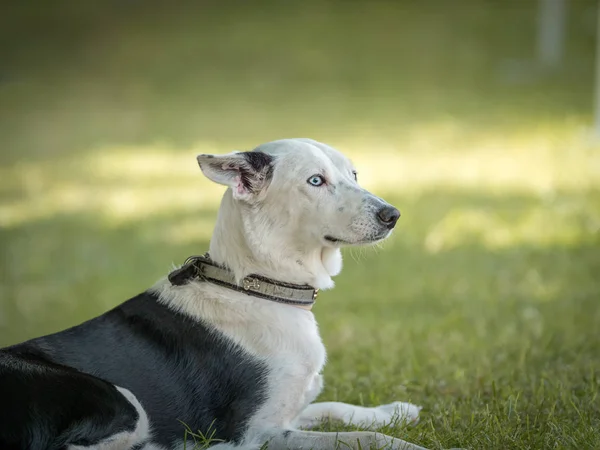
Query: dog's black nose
389, 216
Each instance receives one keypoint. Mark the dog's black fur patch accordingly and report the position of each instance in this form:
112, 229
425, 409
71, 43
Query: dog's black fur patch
258, 160
261, 165
178, 368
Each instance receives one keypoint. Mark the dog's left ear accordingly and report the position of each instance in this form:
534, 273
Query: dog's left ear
246, 173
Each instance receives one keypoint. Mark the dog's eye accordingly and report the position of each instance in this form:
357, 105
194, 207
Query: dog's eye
355, 175
316, 180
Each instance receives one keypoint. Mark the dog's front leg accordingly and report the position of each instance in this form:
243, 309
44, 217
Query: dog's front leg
364, 417
359, 440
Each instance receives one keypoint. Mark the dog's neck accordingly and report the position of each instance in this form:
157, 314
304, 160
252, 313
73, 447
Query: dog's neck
247, 247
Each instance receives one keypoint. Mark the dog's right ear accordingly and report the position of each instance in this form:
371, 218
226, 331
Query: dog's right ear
246, 173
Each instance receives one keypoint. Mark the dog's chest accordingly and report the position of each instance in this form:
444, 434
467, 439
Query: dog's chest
286, 339
295, 355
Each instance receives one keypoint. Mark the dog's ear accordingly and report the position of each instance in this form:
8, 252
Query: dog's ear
246, 173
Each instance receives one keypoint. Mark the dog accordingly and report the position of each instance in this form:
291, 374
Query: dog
227, 343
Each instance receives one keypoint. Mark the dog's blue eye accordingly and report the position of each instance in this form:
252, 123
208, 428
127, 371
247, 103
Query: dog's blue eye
316, 180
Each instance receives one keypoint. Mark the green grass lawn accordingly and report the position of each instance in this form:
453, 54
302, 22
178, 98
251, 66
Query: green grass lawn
482, 307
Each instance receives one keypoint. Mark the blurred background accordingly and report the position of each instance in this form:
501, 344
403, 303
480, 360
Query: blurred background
474, 118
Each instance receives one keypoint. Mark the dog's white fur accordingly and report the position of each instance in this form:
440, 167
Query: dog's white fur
277, 229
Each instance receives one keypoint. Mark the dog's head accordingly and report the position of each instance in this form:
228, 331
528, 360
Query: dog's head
300, 194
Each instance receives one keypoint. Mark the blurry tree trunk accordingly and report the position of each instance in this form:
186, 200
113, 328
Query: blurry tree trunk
551, 33
597, 87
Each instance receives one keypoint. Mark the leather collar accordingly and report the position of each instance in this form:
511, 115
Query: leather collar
203, 268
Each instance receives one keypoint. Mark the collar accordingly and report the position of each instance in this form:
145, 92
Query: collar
203, 268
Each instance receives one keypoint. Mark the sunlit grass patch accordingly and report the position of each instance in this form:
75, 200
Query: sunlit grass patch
124, 183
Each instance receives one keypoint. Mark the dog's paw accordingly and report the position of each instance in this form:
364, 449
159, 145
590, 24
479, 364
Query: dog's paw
402, 411
375, 417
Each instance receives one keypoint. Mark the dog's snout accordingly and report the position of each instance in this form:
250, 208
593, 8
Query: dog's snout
388, 215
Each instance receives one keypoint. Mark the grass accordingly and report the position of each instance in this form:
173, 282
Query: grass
483, 305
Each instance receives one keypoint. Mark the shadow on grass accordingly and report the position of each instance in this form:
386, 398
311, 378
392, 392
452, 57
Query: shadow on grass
69, 268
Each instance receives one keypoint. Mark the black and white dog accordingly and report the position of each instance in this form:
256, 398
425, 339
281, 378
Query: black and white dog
227, 343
